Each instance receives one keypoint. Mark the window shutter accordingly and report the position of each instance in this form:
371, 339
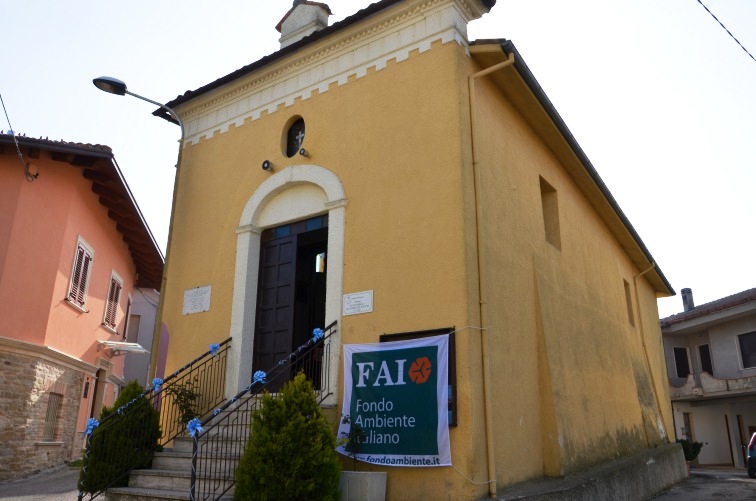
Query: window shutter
78, 290
114, 297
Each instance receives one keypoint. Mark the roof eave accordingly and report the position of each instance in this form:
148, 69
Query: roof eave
149, 261
660, 282
368, 11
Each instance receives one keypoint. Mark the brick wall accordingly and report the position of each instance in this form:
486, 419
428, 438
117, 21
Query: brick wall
25, 386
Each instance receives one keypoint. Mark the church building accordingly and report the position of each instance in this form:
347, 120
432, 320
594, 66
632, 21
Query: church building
392, 176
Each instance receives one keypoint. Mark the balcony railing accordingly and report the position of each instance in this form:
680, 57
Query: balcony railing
706, 385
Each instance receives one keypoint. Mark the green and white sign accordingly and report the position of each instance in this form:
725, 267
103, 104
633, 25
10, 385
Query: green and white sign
396, 402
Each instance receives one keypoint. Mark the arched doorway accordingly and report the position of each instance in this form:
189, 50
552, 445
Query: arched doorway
292, 196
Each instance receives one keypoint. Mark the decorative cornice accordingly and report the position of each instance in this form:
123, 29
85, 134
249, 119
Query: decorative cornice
389, 35
25, 348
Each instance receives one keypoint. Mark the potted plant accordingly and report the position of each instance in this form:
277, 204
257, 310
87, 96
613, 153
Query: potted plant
691, 449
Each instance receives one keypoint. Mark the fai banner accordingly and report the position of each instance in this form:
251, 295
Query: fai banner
395, 409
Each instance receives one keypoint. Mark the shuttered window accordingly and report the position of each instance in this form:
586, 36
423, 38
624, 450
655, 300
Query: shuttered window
111, 306
51, 418
82, 269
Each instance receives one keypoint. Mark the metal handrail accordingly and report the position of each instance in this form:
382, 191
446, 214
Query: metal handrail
204, 376
218, 448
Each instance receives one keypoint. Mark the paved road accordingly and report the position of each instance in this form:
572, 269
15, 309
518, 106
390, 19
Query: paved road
58, 484
707, 484
703, 485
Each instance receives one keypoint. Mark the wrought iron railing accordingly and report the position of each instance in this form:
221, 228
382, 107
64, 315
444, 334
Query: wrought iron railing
218, 449
128, 438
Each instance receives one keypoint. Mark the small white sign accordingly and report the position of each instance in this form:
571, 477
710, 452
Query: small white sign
196, 300
358, 302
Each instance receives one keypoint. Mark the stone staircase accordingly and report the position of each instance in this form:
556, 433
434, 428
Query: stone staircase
171, 472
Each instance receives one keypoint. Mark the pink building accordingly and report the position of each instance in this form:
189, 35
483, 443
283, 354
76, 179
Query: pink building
73, 249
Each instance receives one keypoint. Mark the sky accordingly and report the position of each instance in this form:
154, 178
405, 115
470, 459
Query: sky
659, 96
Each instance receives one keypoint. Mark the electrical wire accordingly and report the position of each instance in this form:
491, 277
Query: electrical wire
471, 480
728, 31
149, 301
29, 176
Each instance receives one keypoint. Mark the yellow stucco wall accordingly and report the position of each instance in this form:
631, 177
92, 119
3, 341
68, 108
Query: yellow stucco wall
566, 364
564, 308
398, 156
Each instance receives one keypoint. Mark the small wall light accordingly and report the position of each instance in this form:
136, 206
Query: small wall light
266, 165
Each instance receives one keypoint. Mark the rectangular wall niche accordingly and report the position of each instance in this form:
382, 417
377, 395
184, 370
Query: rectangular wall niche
550, 213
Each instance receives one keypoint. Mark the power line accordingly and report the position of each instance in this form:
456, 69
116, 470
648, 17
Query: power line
29, 176
725, 28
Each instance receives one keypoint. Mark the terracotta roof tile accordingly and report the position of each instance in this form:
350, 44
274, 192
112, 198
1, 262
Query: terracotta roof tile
98, 165
722, 304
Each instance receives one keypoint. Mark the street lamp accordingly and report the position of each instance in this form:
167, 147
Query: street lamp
118, 87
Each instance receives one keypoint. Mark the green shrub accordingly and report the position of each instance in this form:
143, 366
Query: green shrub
185, 398
292, 450
690, 449
123, 442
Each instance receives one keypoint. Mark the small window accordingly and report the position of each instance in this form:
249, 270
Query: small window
705, 355
452, 390
111, 305
51, 417
681, 362
550, 214
133, 328
747, 344
82, 270
295, 137
629, 303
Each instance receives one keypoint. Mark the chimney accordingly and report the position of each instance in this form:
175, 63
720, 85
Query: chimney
303, 19
687, 297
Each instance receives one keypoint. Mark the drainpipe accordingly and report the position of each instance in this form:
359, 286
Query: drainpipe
645, 349
482, 267
158, 328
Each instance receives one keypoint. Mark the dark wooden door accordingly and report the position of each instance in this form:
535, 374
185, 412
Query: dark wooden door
275, 307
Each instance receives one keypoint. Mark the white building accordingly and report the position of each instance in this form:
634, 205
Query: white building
711, 365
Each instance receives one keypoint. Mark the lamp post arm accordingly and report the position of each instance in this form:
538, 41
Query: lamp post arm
166, 108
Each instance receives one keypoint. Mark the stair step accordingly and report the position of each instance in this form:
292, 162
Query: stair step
142, 494
170, 476
187, 444
182, 461
173, 480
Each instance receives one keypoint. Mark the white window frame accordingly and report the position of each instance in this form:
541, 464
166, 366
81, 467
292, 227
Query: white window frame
110, 315
78, 286
127, 317
741, 361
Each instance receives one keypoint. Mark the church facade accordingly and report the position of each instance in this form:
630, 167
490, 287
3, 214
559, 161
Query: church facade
389, 174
